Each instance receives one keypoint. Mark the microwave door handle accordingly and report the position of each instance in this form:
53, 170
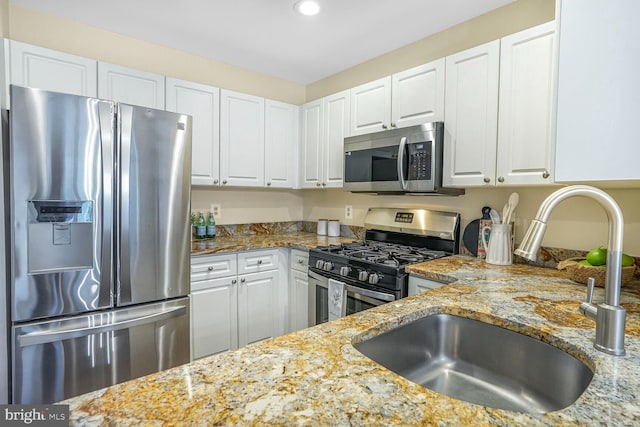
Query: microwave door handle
403, 144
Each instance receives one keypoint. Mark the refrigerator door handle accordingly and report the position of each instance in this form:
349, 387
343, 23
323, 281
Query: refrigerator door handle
36, 338
123, 285
106, 111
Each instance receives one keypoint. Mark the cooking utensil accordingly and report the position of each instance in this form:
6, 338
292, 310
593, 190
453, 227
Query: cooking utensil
495, 217
508, 209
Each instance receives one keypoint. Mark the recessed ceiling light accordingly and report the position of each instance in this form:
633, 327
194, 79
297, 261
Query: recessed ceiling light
307, 7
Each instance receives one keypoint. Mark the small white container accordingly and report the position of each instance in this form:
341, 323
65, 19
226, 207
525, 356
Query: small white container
333, 229
322, 227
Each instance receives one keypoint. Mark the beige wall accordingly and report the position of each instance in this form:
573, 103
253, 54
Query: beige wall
49, 31
247, 206
509, 19
577, 223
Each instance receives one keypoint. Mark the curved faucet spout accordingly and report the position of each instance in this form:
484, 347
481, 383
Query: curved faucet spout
610, 318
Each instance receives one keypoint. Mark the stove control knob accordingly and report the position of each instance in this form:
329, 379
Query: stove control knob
328, 266
319, 264
363, 275
344, 271
374, 278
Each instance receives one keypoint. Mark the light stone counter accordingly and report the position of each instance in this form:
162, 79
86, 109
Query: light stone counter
316, 377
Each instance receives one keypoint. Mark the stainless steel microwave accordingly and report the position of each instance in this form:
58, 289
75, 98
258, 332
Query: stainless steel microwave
398, 161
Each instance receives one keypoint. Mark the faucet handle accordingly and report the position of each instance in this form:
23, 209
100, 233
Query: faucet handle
591, 283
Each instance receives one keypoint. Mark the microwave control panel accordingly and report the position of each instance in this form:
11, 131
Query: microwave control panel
420, 156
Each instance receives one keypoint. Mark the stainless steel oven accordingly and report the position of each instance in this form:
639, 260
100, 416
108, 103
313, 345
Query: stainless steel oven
358, 298
373, 270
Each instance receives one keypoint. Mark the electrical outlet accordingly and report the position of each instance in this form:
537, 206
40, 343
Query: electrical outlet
348, 212
217, 210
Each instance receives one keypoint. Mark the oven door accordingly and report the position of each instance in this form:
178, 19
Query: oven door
358, 299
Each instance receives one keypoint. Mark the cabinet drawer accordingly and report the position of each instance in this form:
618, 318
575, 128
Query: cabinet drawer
299, 260
255, 261
211, 267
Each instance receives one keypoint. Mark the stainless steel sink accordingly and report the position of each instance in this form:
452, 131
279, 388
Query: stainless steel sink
481, 363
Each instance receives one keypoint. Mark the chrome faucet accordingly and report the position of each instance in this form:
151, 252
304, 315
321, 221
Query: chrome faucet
610, 317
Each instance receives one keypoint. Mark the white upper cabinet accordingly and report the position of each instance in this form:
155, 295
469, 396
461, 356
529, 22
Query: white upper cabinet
47, 69
336, 129
403, 99
312, 140
471, 116
598, 91
417, 95
281, 143
241, 139
525, 118
202, 103
325, 124
130, 86
371, 106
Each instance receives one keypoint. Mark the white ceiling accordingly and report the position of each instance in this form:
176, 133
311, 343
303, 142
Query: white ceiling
267, 35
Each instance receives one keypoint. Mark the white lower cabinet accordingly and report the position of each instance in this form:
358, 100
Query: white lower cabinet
418, 285
298, 290
236, 299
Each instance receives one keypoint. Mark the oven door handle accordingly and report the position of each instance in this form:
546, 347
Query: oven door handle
324, 282
401, 147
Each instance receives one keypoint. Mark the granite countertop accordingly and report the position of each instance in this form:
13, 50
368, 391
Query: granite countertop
300, 240
316, 377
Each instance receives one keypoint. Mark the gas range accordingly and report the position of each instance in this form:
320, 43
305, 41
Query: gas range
394, 239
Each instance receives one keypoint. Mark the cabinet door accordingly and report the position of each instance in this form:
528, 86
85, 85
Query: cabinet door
135, 87
214, 316
417, 95
418, 285
371, 107
47, 69
525, 121
299, 300
471, 116
598, 91
336, 129
203, 104
257, 307
241, 139
281, 142
312, 141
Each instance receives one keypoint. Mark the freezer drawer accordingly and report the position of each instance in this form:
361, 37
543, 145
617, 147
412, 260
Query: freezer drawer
58, 359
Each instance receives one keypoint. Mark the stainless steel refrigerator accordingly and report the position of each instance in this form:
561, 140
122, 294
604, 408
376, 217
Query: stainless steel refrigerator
98, 245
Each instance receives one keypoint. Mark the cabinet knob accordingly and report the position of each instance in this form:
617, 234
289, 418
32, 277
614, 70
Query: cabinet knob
210, 268
268, 184
324, 184
215, 181
545, 174
384, 126
243, 280
393, 125
318, 184
224, 181
259, 261
234, 281
300, 261
487, 180
500, 179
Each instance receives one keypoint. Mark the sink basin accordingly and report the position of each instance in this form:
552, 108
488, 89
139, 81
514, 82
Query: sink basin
481, 363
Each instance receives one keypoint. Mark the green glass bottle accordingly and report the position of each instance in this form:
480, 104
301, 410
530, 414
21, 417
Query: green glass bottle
211, 226
201, 227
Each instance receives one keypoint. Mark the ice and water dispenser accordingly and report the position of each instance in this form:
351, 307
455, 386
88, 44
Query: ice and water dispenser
60, 236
